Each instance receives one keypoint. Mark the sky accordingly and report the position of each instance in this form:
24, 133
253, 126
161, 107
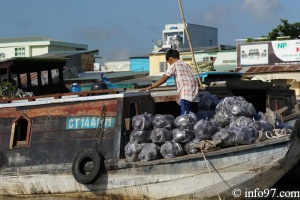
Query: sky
123, 28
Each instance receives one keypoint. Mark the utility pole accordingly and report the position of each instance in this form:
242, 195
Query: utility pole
190, 44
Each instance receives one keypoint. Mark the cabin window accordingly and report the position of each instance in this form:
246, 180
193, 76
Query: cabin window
20, 132
20, 51
44, 77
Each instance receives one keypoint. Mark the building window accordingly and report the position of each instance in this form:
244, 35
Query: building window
20, 51
20, 132
163, 66
210, 42
2, 55
206, 59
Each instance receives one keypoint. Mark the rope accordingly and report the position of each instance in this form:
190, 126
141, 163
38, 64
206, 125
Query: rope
209, 171
100, 131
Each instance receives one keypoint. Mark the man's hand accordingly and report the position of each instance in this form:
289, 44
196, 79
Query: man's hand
146, 89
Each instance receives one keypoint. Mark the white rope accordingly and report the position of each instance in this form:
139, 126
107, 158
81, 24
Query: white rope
209, 171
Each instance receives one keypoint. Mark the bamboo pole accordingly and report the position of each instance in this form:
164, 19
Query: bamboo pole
190, 44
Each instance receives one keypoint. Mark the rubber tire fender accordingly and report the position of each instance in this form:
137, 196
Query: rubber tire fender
80, 160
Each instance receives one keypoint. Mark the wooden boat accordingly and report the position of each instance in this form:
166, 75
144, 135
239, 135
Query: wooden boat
50, 143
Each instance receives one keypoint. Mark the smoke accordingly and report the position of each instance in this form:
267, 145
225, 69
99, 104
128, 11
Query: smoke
263, 10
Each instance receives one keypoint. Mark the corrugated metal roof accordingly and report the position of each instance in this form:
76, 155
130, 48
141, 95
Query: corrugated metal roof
111, 75
143, 81
268, 69
28, 39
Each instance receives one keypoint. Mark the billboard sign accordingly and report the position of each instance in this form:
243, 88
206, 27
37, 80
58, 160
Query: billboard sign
254, 54
284, 52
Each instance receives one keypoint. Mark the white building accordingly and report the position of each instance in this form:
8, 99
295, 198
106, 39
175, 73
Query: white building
116, 66
174, 36
33, 46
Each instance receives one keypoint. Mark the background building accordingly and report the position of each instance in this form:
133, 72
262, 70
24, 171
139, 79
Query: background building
174, 35
33, 46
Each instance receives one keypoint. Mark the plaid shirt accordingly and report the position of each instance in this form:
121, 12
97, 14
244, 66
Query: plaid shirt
187, 87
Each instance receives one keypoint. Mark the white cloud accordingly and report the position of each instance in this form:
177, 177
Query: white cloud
262, 10
216, 15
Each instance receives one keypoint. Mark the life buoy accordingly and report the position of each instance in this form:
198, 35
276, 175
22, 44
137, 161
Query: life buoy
79, 162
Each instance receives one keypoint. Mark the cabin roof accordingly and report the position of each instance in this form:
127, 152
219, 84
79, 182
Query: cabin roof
32, 64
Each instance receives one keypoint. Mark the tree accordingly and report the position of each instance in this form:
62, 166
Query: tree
285, 29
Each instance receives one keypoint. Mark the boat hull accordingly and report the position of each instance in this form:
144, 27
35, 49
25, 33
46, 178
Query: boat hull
243, 167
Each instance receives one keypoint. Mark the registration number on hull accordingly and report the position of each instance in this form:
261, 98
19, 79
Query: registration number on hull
88, 122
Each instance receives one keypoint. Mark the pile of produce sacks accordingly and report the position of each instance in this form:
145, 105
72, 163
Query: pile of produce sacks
234, 122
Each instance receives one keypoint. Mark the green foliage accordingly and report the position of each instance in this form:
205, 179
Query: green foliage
7, 89
285, 29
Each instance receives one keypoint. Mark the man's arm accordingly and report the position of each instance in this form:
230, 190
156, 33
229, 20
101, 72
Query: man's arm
157, 83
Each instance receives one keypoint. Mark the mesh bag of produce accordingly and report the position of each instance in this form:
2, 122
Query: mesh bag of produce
149, 152
182, 135
246, 134
227, 103
240, 121
140, 136
256, 125
265, 124
142, 122
171, 149
208, 101
262, 122
132, 149
163, 121
204, 129
189, 147
243, 108
205, 114
222, 119
185, 121
225, 138
236, 106
160, 135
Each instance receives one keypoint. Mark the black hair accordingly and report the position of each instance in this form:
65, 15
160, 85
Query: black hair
172, 53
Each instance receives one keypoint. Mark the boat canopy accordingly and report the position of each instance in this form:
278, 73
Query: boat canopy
34, 74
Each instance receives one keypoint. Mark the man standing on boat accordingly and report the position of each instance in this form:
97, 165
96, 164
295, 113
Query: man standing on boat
186, 84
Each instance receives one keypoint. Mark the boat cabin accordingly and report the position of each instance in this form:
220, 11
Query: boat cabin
37, 75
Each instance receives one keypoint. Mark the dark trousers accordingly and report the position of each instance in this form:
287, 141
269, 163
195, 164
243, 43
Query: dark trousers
186, 107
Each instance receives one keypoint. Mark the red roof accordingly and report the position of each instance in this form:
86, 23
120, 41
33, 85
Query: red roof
268, 69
